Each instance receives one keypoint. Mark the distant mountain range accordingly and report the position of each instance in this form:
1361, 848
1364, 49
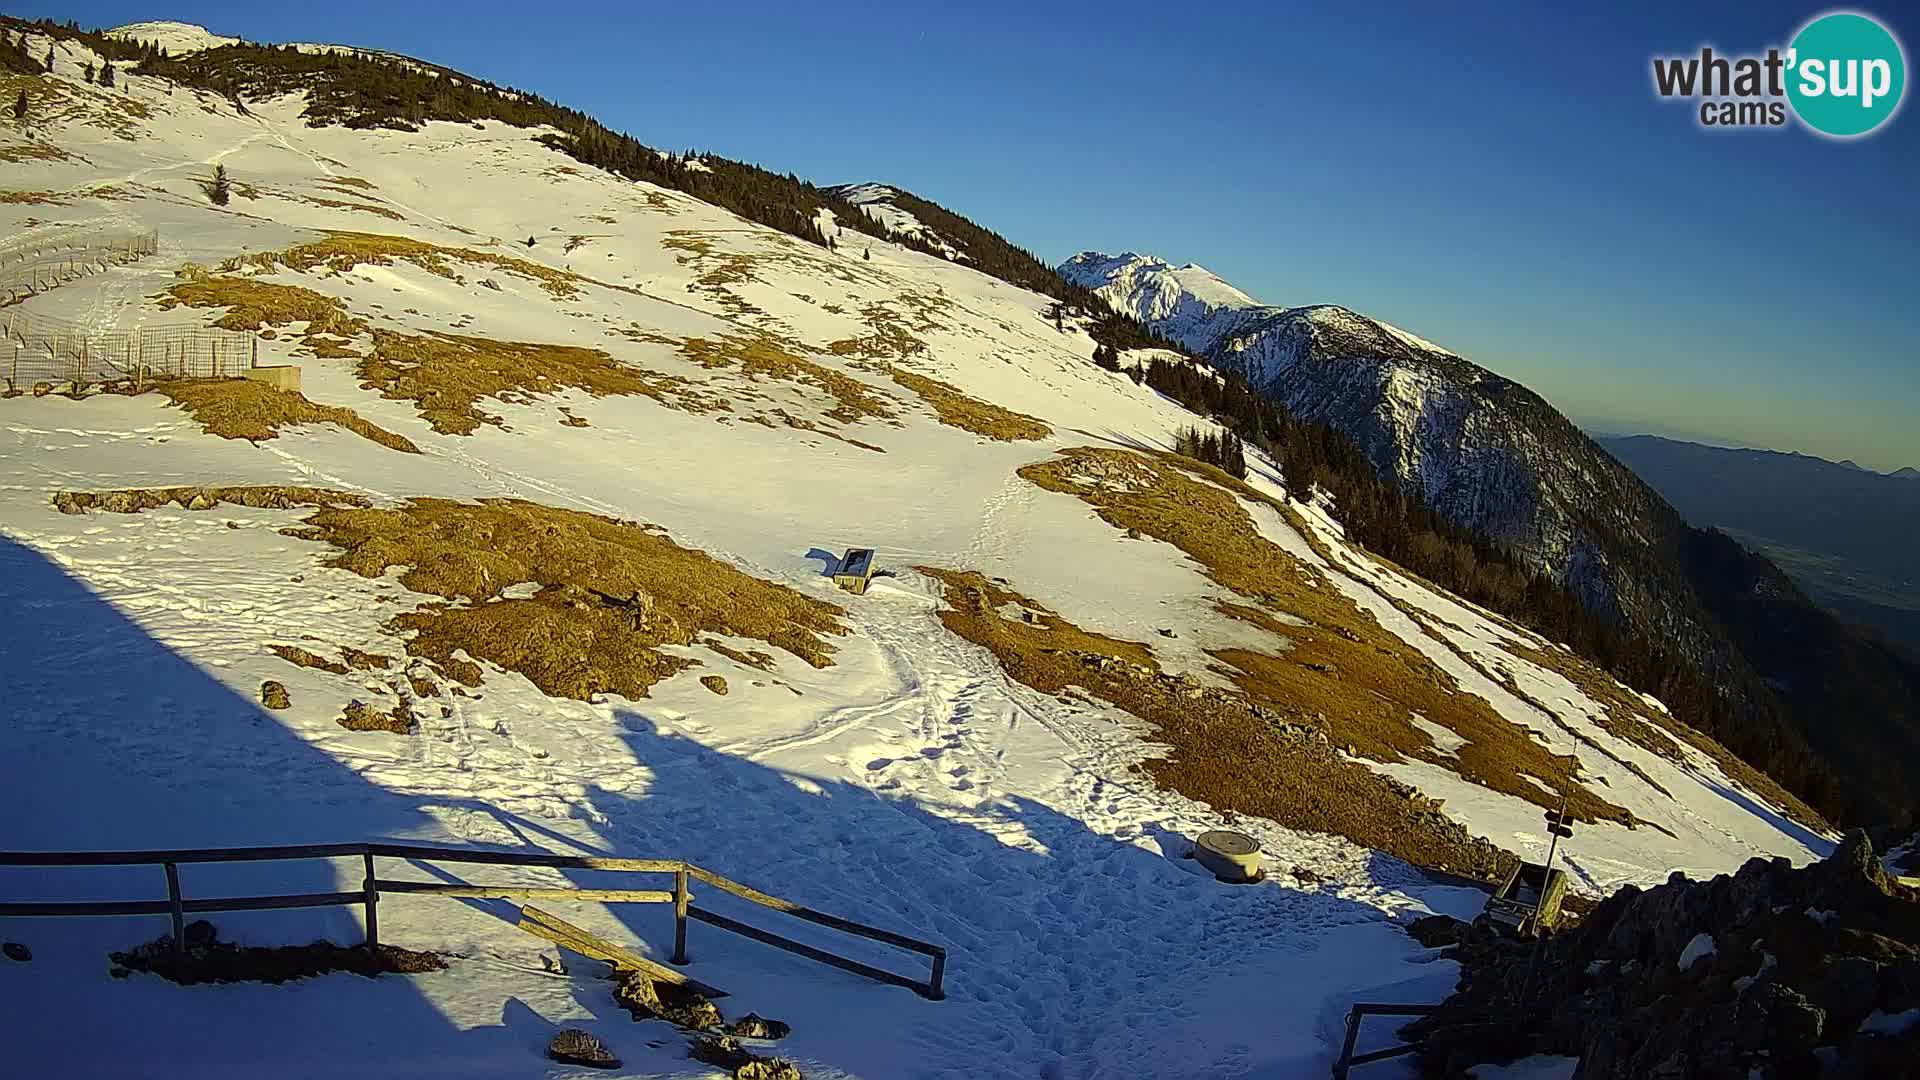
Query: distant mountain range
1496, 458
1846, 534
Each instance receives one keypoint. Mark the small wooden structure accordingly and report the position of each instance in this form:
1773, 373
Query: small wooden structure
1529, 899
856, 570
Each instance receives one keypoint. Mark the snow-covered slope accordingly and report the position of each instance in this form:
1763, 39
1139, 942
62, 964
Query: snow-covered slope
770, 403
177, 38
876, 201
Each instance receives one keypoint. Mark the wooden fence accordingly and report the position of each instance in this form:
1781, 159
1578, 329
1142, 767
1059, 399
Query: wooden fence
178, 906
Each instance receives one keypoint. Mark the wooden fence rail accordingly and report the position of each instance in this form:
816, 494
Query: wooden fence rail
178, 906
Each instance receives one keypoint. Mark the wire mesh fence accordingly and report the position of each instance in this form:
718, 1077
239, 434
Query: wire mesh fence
43, 354
34, 264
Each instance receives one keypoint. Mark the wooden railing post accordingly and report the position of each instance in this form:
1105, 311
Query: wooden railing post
373, 917
682, 896
179, 920
936, 986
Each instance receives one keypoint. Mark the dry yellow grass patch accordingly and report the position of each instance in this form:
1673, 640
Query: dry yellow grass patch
365, 208
260, 497
763, 356
611, 593
714, 683
750, 658
360, 716
299, 657
33, 198
894, 334
351, 182
19, 153
956, 409
1221, 750
1342, 670
342, 251
245, 409
447, 375
253, 304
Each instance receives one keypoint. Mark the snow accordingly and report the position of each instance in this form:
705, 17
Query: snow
1537, 1067
912, 785
178, 38
1822, 917
873, 200
1881, 1023
1698, 948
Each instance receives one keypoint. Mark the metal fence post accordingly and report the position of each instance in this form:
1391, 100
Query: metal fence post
373, 919
179, 920
681, 896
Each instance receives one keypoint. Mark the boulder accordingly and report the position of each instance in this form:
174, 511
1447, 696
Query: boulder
572, 1046
274, 695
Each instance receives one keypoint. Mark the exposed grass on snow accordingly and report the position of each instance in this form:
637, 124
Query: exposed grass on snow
306, 658
360, 716
1342, 670
611, 593
342, 251
245, 409
1220, 750
763, 356
956, 409
20, 153
446, 376
261, 496
253, 304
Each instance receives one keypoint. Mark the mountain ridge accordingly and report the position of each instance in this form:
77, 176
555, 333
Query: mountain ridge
1497, 458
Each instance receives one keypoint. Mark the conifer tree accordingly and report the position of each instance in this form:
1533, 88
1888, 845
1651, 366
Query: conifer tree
20, 105
106, 74
220, 189
88, 71
49, 58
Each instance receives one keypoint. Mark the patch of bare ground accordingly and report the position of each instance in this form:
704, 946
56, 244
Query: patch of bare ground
360, 716
20, 153
760, 356
753, 658
346, 204
893, 333
52, 104
447, 375
714, 683
611, 593
1223, 749
1629, 717
33, 198
342, 251
1342, 670
299, 657
255, 411
210, 960
255, 305
259, 497
960, 410
349, 182
1625, 714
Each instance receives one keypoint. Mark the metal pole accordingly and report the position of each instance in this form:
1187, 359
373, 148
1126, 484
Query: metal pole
179, 921
373, 919
681, 896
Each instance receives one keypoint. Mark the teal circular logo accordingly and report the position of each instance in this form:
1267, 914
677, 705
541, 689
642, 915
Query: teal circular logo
1846, 74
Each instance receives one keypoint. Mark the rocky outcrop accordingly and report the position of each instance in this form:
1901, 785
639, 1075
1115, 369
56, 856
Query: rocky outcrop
573, 1046
1768, 972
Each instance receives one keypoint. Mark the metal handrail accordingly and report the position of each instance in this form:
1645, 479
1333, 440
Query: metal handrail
177, 905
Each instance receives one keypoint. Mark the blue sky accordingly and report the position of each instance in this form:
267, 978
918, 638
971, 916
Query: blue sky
1504, 183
